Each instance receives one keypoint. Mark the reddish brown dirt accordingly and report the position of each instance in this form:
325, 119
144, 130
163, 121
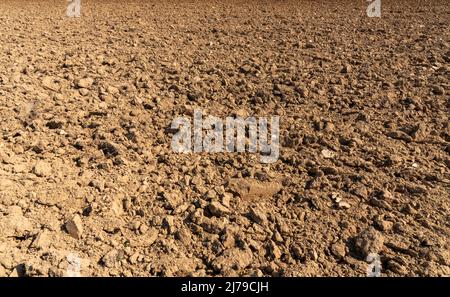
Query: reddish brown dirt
86, 167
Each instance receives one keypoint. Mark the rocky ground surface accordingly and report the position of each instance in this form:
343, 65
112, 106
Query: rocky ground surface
87, 171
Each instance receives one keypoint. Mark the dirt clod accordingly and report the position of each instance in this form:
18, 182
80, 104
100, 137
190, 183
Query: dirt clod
369, 241
74, 227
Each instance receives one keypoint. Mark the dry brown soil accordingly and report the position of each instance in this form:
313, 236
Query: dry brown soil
86, 167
